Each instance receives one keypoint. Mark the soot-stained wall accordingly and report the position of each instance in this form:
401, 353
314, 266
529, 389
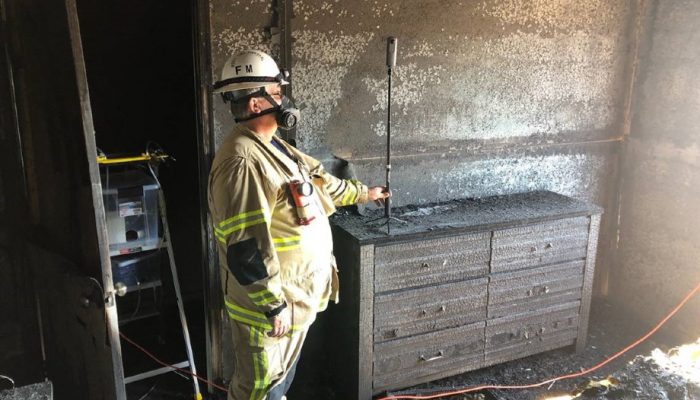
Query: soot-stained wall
660, 213
490, 97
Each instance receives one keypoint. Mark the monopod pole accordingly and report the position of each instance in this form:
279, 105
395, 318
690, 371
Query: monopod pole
391, 45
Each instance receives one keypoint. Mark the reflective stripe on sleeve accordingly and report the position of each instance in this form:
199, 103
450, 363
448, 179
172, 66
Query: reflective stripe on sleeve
340, 189
239, 222
247, 317
253, 318
357, 185
263, 297
350, 193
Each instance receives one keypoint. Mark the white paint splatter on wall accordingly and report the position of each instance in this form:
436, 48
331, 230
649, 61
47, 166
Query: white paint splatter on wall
513, 69
421, 182
230, 41
547, 16
514, 86
323, 59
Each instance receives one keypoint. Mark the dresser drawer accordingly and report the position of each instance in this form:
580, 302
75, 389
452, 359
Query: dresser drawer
415, 311
525, 334
432, 261
422, 358
534, 288
545, 243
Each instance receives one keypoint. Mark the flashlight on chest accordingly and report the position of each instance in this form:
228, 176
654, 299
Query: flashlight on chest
301, 195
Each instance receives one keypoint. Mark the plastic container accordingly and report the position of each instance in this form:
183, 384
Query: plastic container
131, 206
136, 269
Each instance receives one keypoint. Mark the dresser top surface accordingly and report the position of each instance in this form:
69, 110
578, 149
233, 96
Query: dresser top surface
463, 215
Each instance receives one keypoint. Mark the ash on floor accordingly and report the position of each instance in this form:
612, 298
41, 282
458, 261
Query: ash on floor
37, 391
635, 375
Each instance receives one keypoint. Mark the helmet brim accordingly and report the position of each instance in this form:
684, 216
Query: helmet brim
247, 85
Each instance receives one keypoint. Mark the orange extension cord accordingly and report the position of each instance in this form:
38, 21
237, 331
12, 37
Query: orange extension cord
163, 363
559, 378
473, 388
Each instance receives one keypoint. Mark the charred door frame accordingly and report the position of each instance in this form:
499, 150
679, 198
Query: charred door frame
206, 147
98, 204
65, 246
214, 314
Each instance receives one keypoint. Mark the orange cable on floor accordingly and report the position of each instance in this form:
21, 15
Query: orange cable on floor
552, 380
163, 363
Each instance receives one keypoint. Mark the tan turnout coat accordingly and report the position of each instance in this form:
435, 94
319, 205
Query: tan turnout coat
266, 258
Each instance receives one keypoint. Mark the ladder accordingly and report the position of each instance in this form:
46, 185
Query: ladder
181, 309
167, 242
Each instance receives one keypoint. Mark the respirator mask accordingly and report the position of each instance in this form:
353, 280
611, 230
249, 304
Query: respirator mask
286, 114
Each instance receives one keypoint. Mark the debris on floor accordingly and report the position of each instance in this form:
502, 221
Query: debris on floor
646, 372
37, 391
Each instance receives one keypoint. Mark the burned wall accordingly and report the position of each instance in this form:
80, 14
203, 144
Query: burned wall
660, 213
490, 97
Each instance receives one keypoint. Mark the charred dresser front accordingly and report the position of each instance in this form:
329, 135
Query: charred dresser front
460, 286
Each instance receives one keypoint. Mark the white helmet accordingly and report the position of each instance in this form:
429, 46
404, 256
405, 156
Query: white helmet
248, 70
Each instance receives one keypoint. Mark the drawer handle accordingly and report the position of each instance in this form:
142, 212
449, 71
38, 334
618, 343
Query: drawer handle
424, 312
439, 355
537, 290
425, 265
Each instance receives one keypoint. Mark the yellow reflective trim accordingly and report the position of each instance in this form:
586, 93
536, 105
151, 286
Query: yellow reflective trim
256, 371
261, 378
255, 338
247, 321
357, 191
266, 300
286, 239
263, 292
240, 216
240, 226
253, 318
286, 243
251, 336
244, 311
259, 336
247, 317
263, 297
287, 248
349, 191
266, 378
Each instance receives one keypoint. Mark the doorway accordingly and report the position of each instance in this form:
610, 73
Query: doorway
139, 58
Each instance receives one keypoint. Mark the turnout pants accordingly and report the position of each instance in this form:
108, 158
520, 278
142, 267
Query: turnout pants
262, 362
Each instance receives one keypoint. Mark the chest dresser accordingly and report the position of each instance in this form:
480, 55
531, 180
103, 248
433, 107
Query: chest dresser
459, 286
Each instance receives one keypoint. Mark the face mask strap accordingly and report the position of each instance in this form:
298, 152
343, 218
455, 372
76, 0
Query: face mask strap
260, 93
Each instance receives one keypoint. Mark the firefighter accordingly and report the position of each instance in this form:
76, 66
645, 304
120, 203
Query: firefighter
270, 204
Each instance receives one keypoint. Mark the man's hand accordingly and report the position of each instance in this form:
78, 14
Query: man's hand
280, 323
378, 194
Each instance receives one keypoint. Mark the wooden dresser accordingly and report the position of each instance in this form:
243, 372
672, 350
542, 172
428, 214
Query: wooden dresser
460, 286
